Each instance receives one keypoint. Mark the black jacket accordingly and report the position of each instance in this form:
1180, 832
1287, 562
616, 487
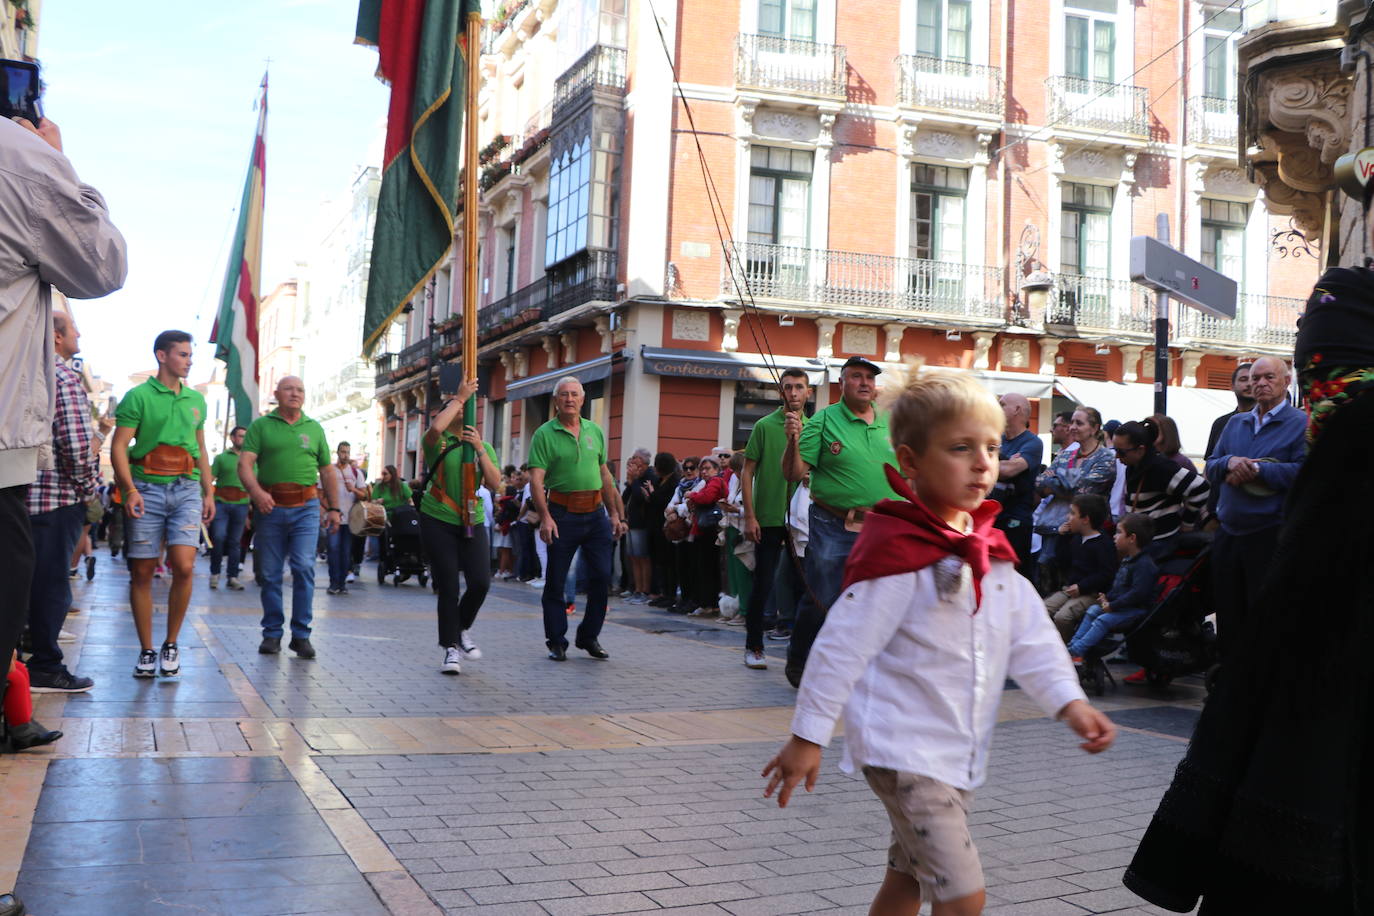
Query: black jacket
1091, 565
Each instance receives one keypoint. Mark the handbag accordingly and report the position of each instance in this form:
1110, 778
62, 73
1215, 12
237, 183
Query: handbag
708, 520
676, 529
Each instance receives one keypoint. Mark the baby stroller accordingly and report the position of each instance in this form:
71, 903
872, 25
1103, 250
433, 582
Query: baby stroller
1174, 639
403, 555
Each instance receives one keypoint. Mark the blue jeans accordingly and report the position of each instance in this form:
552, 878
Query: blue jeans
340, 549
590, 531
226, 537
1096, 625
55, 535
282, 535
577, 569
827, 549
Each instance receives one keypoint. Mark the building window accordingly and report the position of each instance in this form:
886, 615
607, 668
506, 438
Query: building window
943, 28
1223, 237
1220, 35
1085, 230
569, 193
937, 212
1090, 40
779, 196
794, 19
508, 237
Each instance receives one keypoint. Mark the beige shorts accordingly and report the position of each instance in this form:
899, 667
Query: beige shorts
930, 838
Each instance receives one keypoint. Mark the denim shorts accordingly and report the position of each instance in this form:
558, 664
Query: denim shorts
637, 543
171, 514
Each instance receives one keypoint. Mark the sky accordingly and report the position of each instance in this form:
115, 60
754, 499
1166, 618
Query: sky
156, 107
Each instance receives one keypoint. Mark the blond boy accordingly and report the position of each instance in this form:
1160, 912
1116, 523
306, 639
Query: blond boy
931, 619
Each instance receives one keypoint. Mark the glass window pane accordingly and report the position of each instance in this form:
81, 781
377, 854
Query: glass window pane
1104, 51
1215, 68
1076, 46
921, 209
770, 17
801, 162
951, 228
793, 216
960, 27
1096, 244
758, 156
761, 190
928, 28
1068, 241
803, 25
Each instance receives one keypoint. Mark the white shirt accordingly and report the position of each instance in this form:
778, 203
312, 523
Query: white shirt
918, 678
1261, 420
1117, 502
799, 518
485, 496
348, 476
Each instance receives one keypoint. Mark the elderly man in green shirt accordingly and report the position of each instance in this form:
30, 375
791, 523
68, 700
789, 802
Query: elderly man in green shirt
844, 448
231, 511
568, 457
290, 454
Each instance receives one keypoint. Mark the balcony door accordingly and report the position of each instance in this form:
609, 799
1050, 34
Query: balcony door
1085, 250
788, 19
943, 28
779, 217
1090, 40
937, 245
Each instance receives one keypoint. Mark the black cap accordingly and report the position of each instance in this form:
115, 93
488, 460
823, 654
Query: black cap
860, 361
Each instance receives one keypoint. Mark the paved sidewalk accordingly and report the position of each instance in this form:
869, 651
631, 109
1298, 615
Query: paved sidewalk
366, 782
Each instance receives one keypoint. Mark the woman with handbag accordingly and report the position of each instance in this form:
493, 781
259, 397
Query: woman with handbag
706, 516
452, 545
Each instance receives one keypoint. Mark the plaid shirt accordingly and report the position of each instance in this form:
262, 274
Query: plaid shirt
76, 469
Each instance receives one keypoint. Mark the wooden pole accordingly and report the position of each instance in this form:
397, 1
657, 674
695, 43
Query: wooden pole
470, 271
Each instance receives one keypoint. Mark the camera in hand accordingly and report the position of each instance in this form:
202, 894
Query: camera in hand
20, 89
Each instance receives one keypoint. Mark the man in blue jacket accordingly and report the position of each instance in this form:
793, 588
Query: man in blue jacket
1254, 463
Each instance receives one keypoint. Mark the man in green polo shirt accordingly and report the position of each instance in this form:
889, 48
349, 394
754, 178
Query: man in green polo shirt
568, 457
766, 494
844, 448
284, 457
161, 467
231, 511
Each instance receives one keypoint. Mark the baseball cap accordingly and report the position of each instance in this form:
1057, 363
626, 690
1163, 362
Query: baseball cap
860, 361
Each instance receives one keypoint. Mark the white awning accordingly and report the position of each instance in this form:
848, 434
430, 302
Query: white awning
1193, 409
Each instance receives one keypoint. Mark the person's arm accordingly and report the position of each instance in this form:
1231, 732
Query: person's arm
794, 468
616, 508
451, 411
713, 492
124, 477
1283, 470
72, 451
332, 483
1099, 473
548, 528
1037, 661
1139, 588
491, 475
262, 501
746, 490
1192, 491
207, 481
1049, 483
1103, 567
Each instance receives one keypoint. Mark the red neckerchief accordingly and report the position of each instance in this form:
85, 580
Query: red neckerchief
904, 536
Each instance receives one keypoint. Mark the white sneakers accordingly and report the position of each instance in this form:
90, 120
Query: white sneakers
536, 583
147, 664
755, 660
452, 658
214, 581
170, 661
469, 648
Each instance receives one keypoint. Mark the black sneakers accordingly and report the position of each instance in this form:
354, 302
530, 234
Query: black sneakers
61, 682
270, 645
302, 648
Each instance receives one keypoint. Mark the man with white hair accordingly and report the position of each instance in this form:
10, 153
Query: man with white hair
582, 509
1255, 461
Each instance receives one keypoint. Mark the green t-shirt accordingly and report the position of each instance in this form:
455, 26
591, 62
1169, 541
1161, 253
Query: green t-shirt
846, 456
444, 495
382, 493
287, 452
159, 416
225, 470
569, 464
772, 492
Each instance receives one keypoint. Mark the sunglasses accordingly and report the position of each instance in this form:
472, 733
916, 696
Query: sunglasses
689, 467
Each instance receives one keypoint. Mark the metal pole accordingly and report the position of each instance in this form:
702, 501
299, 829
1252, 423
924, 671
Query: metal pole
1162, 330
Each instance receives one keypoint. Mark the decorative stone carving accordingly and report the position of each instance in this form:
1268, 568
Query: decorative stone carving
907, 132
1191, 360
1280, 197
1058, 154
1147, 364
892, 350
1299, 165
1130, 362
744, 121
825, 341
689, 324
521, 358
1314, 105
1015, 352
550, 345
860, 338
729, 342
1089, 163
569, 341
786, 126
507, 363
983, 143
826, 137
1128, 161
944, 145
1230, 181
603, 327
982, 349
1049, 355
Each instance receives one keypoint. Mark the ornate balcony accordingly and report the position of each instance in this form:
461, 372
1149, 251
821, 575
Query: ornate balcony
948, 85
900, 287
522, 307
1098, 106
790, 66
601, 68
383, 366
1098, 305
590, 277
1213, 122
1261, 322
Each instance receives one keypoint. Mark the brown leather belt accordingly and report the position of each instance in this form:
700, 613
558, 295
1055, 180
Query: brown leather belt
167, 461
578, 501
291, 495
853, 518
230, 494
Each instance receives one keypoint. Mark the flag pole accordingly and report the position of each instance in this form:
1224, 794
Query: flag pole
474, 76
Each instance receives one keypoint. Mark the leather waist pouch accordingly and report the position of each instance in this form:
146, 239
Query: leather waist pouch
577, 501
167, 461
230, 494
291, 495
853, 518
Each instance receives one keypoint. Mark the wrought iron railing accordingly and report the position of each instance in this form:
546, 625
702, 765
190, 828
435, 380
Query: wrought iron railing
582, 279
949, 85
383, 366
411, 356
900, 286
1100, 304
1096, 105
1261, 321
602, 67
1213, 121
789, 65
501, 315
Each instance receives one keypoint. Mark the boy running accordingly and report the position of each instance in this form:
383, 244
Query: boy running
931, 618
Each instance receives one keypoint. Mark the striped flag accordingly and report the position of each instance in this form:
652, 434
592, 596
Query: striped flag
421, 54
236, 324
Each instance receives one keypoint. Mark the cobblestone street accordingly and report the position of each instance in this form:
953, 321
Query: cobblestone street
366, 782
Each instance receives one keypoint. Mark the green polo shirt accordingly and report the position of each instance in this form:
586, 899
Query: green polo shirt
382, 493
225, 470
159, 416
444, 495
569, 464
772, 492
287, 452
846, 456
